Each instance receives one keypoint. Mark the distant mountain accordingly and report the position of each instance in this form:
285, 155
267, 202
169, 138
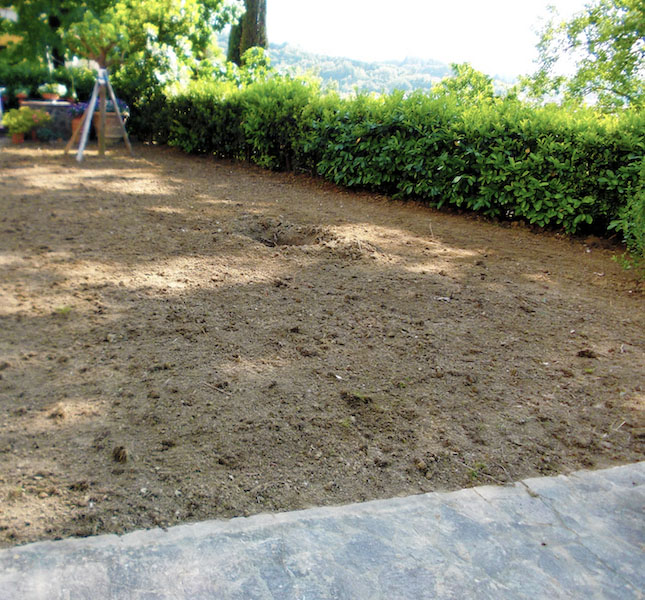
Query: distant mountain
349, 74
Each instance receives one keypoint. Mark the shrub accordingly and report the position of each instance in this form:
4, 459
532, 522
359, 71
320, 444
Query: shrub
206, 118
556, 167
271, 116
24, 119
631, 223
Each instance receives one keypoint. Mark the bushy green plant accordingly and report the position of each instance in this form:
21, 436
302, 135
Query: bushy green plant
21, 76
24, 119
39, 118
631, 224
271, 118
78, 80
46, 135
206, 118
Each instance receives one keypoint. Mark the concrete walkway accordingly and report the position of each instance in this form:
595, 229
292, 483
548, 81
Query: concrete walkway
581, 536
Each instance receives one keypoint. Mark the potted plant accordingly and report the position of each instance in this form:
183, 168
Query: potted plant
39, 118
76, 111
22, 93
52, 91
21, 120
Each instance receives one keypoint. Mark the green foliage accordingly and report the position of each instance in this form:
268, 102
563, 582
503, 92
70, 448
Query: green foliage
152, 44
38, 26
549, 166
165, 37
206, 118
466, 85
103, 38
260, 122
346, 75
235, 37
182, 29
24, 119
211, 104
22, 77
250, 32
46, 135
631, 223
146, 43
78, 80
29, 76
271, 115
605, 40
254, 25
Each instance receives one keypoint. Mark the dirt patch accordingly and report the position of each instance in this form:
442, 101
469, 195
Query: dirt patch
276, 233
185, 339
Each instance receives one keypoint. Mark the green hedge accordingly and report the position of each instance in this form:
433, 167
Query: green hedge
551, 166
631, 224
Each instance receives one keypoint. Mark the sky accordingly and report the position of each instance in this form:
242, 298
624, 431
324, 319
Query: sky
497, 37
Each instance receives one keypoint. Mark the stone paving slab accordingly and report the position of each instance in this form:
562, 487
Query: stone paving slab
580, 536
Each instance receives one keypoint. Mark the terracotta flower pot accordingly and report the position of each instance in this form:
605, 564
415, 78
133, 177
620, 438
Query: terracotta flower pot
17, 138
50, 96
76, 123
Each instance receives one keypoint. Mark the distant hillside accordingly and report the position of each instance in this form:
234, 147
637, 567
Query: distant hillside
348, 74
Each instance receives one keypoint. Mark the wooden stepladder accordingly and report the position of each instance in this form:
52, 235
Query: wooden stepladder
98, 96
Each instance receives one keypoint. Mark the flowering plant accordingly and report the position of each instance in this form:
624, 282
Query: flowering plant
52, 88
24, 119
39, 118
77, 109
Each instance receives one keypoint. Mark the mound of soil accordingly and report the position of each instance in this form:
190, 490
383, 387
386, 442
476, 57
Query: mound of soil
185, 339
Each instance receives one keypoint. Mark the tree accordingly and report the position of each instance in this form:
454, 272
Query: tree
466, 85
250, 32
162, 33
606, 41
38, 24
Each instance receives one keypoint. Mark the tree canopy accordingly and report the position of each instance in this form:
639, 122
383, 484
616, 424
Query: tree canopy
163, 32
607, 42
466, 84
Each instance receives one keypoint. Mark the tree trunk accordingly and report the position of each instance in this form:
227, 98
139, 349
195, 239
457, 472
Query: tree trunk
250, 31
234, 43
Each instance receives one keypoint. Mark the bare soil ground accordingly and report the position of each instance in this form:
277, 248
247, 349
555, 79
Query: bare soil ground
184, 339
